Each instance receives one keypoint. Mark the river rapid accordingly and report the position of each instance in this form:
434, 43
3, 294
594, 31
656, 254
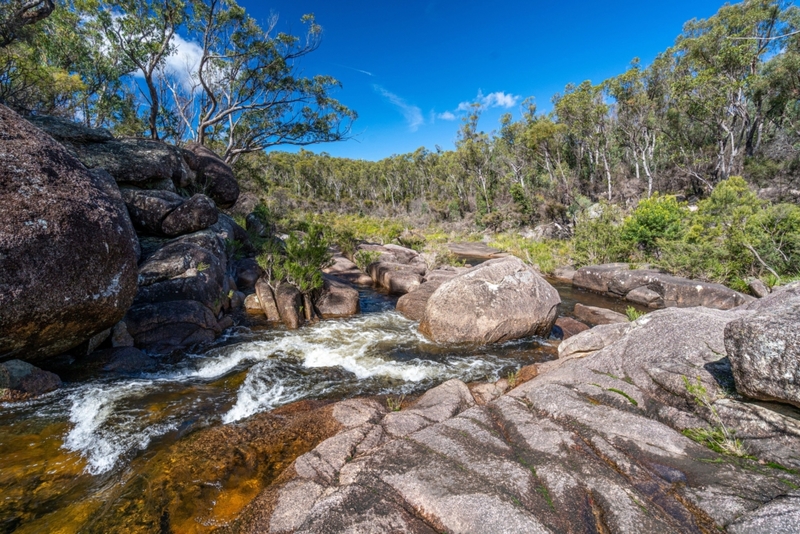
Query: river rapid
78, 443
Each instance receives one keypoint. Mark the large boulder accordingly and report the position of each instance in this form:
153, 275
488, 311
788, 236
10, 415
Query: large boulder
164, 213
764, 350
139, 162
337, 299
148, 208
214, 176
67, 247
196, 213
191, 269
170, 325
412, 305
498, 300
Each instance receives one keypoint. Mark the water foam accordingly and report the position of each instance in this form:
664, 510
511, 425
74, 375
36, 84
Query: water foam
103, 432
361, 346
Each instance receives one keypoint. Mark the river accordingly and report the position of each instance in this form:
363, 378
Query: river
61, 454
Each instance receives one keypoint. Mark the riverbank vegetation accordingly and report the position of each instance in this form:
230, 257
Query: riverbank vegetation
690, 163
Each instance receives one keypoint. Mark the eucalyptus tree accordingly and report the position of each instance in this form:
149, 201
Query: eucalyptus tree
639, 113
584, 115
143, 31
248, 93
474, 151
16, 16
717, 105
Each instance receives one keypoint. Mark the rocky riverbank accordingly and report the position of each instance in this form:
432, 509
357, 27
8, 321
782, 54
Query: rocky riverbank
646, 430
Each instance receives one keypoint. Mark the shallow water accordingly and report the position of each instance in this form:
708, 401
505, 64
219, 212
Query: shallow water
82, 439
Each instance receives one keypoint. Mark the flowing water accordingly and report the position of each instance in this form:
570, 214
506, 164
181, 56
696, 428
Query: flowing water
83, 438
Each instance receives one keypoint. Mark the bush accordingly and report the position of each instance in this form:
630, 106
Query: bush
653, 219
599, 239
363, 258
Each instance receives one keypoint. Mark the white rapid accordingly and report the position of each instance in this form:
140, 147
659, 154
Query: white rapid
376, 353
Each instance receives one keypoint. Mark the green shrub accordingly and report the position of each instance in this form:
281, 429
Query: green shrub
632, 313
412, 239
599, 240
363, 258
653, 219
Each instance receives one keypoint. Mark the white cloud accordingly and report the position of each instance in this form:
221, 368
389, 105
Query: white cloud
412, 114
501, 100
446, 116
497, 99
183, 63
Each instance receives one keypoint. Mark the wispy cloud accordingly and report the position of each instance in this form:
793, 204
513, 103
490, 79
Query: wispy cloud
497, 99
412, 114
446, 116
368, 73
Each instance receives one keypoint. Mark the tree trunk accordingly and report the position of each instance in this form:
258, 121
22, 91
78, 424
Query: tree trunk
153, 105
608, 174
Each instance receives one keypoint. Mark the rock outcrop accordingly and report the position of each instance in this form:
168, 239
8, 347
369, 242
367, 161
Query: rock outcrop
496, 301
764, 351
67, 247
592, 444
654, 289
131, 161
18, 378
337, 299
412, 305
399, 270
213, 175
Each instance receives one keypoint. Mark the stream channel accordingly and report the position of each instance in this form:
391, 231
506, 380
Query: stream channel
61, 454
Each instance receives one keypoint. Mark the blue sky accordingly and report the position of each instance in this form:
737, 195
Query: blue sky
406, 66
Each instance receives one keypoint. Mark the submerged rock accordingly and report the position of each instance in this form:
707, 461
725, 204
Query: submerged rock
570, 327
496, 301
594, 315
67, 247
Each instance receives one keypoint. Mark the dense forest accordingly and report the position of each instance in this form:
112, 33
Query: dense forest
691, 162
723, 101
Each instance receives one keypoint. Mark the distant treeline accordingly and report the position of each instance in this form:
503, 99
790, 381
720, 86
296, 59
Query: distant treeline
723, 101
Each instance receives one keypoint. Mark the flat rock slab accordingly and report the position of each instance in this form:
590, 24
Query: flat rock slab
348, 271
655, 289
596, 316
476, 250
